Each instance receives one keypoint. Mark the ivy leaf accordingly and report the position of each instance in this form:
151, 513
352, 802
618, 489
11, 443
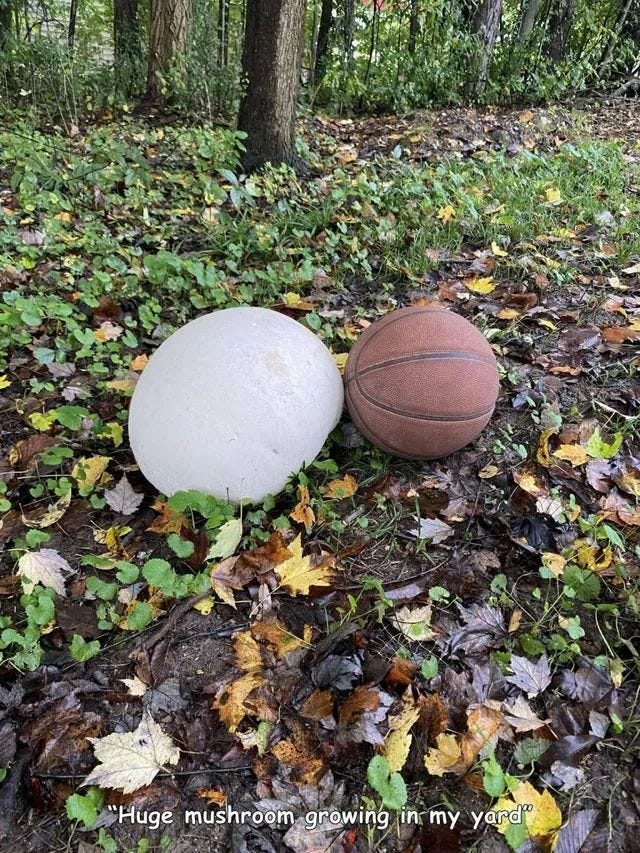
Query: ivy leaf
390, 786
85, 808
181, 547
81, 650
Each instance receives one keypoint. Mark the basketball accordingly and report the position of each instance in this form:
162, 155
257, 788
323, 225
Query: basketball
421, 383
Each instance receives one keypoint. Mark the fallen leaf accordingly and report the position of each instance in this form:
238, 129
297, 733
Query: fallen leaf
573, 453
414, 623
53, 513
541, 820
45, 566
298, 575
445, 757
302, 512
227, 540
344, 488
87, 471
132, 760
398, 740
122, 498
432, 529
446, 213
480, 285
531, 677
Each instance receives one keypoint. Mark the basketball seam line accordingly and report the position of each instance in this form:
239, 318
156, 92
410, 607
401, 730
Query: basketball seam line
384, 445
427, 356
436, 418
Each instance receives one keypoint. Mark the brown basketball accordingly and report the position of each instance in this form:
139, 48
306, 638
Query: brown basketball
421, 383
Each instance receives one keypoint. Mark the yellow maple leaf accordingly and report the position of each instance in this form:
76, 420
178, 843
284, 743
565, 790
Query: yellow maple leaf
554, 562
229, 701
497, 251
445, 757
4, 382
277, 635
446, 213
298, 575
543, 819
88, 470
480, 285
294, 300
344, 488
302, 512
553, 195
398, 740
573, 453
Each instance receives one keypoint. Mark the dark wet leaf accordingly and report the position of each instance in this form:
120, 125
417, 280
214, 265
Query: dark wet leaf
570, 749
488, 681
7, 744
337, 671
574, 835
536, 531
484, 628
589, 684
164, 698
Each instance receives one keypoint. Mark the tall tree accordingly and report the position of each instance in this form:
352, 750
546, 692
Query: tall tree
414, 25
487, 26
126, 31
6, 21
73, 20
528, 17
169, 33
322, 45
224, 10
560, 23
271, 60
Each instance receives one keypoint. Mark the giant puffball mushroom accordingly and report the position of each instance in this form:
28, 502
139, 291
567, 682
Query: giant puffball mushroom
233, 403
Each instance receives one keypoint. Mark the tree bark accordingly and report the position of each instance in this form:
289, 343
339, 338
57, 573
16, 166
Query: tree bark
487, 26
528, 20
6, 20
169, 33
560, 29
414, 25
224, 9
271, 63
322, 45
73, 19
126, 31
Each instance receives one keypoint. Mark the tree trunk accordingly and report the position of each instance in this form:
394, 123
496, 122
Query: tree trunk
487, 26
126, 31
169, 33
560, 29
348, 25
6, 21
322, 45
414, 25
271, 63
223, 33
528, 20
615, 34
73, 19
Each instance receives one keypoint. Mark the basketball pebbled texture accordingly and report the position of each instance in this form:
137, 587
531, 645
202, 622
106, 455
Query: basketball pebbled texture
421, 383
